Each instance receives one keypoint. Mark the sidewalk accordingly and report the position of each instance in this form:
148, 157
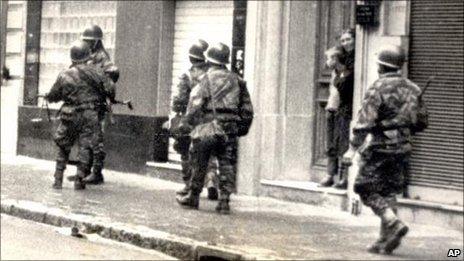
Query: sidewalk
257, 226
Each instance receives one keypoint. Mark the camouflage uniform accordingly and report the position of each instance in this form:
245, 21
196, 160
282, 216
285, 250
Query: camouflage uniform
224, 86
391, 101
179, 105
101, 59
80, 88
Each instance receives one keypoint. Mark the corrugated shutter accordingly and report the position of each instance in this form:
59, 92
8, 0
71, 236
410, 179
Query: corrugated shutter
437, 49
208, 20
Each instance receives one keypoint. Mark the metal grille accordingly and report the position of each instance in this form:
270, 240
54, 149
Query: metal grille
62, 23
437, 49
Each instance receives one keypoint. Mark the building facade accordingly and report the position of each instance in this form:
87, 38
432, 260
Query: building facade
278, 47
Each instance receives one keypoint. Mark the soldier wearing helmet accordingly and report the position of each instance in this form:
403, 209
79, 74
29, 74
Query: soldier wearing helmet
82, 88
392, 101
217, 98
100, 58
94, 36
179, 106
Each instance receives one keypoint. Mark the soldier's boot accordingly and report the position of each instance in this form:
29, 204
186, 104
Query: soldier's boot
213, 193
96, 178
191, 200
327, 181
184, 191
394, 232
72, 178
223, 205
379, 244
58, 183
79, 183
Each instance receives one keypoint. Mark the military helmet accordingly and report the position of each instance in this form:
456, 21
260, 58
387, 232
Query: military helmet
392, 56
80, 51
197, 49
94, 32
218, 54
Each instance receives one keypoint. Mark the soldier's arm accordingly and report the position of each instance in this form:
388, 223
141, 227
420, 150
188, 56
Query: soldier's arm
109, 88
181, 99
56, 92
367, 117
198, 97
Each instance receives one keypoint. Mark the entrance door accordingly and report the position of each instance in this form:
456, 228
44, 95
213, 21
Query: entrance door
334, 17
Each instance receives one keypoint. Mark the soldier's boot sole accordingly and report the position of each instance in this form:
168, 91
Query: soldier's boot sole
395, 240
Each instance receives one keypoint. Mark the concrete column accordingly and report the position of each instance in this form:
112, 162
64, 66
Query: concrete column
137, 54
258, 151
280, 52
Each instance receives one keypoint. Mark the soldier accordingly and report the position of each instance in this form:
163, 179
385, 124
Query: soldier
100, 58
217, 98
81, 88
179, 106
389, 113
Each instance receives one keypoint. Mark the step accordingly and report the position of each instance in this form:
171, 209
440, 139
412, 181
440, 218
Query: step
305, 192
171, 171
411, 211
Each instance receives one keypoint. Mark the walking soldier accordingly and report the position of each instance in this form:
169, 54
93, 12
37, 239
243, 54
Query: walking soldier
179, 106
391, 113
217, 100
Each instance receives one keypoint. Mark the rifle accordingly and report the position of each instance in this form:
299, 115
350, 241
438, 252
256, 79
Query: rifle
383, 127
393, 126
128, 103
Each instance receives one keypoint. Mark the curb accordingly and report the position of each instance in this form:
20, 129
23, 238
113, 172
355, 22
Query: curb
172, 245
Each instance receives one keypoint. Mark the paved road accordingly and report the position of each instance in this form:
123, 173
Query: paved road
23, 239
256, 225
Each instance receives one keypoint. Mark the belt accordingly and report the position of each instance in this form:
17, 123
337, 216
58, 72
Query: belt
86, 106
226, 111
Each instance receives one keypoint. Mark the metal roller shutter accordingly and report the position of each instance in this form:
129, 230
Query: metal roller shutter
437, 49
208, 20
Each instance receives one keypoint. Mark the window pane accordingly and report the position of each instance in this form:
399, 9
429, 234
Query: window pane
62, 24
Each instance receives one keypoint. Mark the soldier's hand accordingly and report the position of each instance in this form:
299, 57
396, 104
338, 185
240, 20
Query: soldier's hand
184, 129
166, 125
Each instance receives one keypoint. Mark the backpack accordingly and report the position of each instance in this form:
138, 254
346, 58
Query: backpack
245, 109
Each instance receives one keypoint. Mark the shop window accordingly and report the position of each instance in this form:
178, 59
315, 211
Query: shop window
62, 23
